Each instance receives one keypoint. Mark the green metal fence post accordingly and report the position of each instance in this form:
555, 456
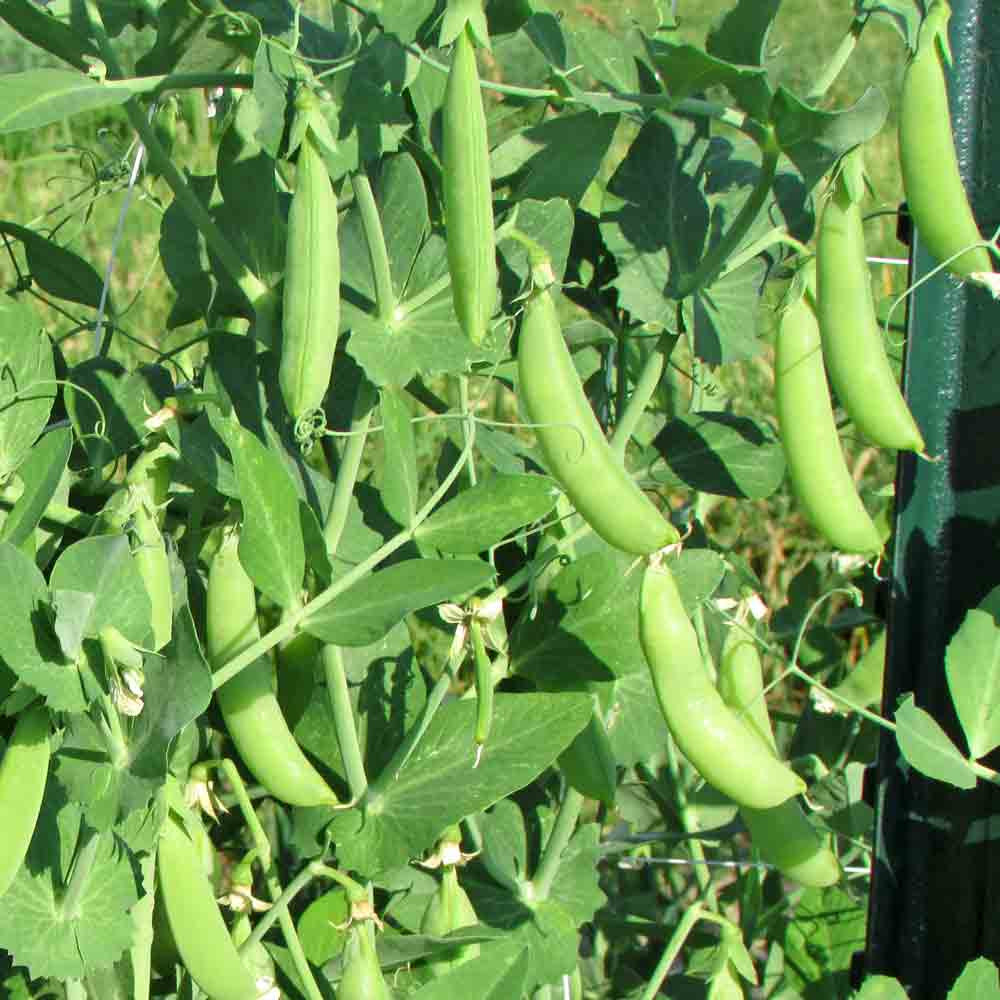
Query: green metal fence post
936, 880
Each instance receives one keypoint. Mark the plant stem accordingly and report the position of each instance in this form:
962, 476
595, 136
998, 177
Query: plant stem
83, 865
260, 842
649, 379
378, 254
343, 720
468, 426
562, 831
279, 905
287, 628
711, 265
292, 941
671, 951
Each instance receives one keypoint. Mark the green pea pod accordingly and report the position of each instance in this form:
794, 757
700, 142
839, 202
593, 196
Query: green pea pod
483, 674
448, 910
588, 763
362, 978
311, 302
816, 466
468, 195
863, 685
782, 834
725, 750
570, 438
199, 932
248, 701
852, 341
927, 159
23, 773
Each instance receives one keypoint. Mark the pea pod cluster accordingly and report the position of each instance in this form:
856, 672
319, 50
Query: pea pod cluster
932, 182
572, 442
723, 748
817, 469
782, 834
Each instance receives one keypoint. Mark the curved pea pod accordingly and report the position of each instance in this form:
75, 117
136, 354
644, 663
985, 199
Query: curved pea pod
448, 910
725, 750
249, 701
468, 195
23, 774
570, 438
927, 159
199, 932
820, 479
782, 834
311, 301
852, 341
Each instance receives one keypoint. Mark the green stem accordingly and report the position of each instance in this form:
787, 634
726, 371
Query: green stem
649, 379
293, 943
562, 831
343, 720
435, 288
838, 60
715, 260
350, 464
83, 866
378, 254
768, 240
672, 950
268, 918
260, 842
290, 625
468, 426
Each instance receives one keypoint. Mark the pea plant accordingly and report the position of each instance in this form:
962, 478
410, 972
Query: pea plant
391, 633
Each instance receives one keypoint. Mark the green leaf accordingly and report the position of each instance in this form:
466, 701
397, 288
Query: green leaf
368, 610
26, 388
272, 549
814, 139
721, 331
56, 269
27, 644
103, 568
632, 717
881, 988
498, 973
926, 746
558, 158
720, 453
585, 629
460, 14
40, 97
488, 512
979, 980
40, 475
322, 938
972, 664
407, 809
400, 485
505, 845
740, 38
55, 941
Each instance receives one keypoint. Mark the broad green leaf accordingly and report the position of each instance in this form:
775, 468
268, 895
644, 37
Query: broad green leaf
27, 391
56, 269
721, 331
980, 980
505, 844
698, 573
585, 629
814, 139
42, 934
368, 610
27, 643
40, 475
558, 158
972, 664
103, 568
272, 549
606, 55
399, 480
321, 926
881, 988
740, 37
40, 97
720, 453
926, 746
498, 973
633, 718
403, 19
438, 785
549, 224
488, 512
